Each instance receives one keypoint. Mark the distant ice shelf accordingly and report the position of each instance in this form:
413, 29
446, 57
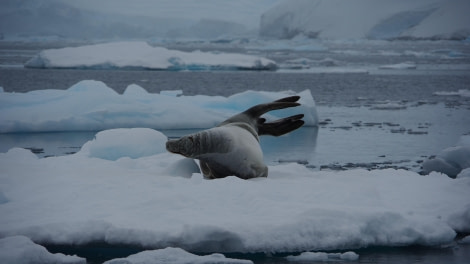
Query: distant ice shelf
140, 55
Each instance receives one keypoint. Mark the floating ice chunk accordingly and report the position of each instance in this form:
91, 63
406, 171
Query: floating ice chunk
132, 202
140, 55
135, 90
92, 106
400, 66
125, 142
174, 256
450, 161
20, 249
461, 92
389, 106
323, 256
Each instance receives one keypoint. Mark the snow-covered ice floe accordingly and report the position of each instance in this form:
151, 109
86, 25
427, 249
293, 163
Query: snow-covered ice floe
92, 106
177, 256
158, 200
140, 55
323, 256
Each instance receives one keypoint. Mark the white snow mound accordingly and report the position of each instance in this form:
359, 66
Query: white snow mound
117, 143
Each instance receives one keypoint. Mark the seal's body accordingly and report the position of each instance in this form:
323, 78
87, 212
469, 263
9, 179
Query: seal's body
232, 148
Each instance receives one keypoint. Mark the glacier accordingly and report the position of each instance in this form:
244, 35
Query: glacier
140, 55
368, 19
92, 106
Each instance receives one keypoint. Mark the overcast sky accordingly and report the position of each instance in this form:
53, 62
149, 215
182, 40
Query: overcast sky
246, 12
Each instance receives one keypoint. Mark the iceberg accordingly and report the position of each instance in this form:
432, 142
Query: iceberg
140, 55
368, 19
142, 201
93, 106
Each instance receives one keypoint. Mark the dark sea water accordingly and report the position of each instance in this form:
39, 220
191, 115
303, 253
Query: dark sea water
353, 132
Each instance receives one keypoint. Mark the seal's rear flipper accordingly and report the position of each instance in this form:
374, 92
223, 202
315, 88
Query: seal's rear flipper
259, 110
280, 126
294, 98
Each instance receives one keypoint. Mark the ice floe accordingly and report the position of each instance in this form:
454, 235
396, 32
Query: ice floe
175, 256
143, 201
323, 256
92, 106
461, 92
140, 55
453, 161
400, 66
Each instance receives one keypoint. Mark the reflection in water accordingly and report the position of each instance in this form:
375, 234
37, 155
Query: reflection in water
297, 146
46, 144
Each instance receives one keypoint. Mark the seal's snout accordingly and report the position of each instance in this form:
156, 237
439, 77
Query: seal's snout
178, 146
172, 146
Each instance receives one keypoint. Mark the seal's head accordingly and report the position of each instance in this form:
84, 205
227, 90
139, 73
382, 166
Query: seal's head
185, 146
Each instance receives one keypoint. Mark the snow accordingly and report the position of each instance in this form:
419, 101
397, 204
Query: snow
371, 19
92, 106
145, 201
175, 256
140, 55
21, 250
323, 256
453, 161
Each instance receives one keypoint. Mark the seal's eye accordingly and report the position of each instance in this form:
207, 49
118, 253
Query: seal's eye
191, 138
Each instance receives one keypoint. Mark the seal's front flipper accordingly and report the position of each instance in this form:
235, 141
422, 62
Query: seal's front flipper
280, 126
